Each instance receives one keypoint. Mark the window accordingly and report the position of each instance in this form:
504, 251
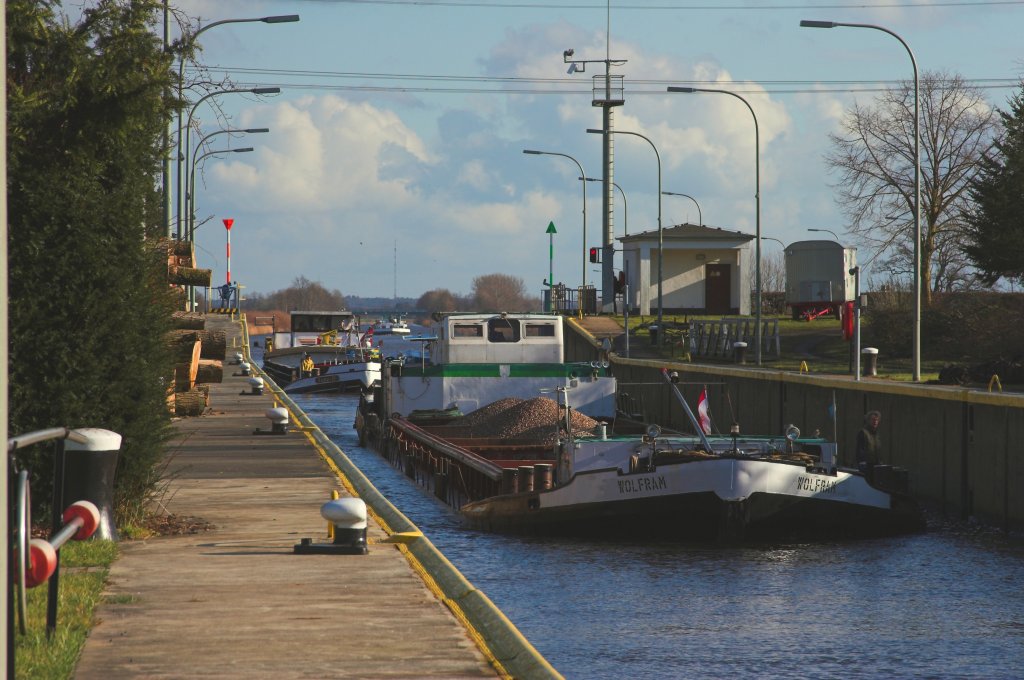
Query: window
464, 330
503, 330
537, 330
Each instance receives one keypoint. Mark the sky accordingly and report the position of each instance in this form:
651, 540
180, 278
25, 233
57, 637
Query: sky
394, 164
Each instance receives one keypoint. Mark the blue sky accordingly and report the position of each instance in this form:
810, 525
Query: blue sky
399, 131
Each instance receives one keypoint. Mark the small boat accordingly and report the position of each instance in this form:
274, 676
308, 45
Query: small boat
394, 326
343, 359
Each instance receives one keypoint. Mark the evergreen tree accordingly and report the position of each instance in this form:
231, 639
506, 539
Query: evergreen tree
89, 300
996, 221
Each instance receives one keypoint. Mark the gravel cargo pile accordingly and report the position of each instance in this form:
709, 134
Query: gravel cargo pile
513, 418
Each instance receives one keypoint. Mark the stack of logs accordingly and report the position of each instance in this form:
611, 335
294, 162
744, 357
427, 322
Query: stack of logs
181, 268
199, 360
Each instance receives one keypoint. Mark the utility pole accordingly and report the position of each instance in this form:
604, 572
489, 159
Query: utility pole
607, 94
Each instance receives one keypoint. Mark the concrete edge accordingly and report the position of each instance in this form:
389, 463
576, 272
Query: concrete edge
496, 636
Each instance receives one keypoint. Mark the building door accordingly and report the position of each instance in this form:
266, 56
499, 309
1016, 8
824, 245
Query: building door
717, 290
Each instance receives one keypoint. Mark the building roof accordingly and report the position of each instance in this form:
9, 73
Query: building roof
689, 232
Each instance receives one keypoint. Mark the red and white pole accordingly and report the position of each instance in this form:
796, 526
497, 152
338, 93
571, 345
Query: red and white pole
227, 227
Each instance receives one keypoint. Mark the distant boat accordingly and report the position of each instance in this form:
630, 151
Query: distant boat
392, 327
343, 359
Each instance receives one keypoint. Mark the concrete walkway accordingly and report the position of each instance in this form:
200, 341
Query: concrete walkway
235, 601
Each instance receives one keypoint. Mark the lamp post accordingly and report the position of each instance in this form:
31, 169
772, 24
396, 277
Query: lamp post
192, 186
700, 220
829, 231
190, 194
565, 155
776, 240
192, 204
183, 148
661, 236
625, 207
278, 19
917, 179
757, 198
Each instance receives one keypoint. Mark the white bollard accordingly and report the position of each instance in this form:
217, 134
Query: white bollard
256, 385
278, 417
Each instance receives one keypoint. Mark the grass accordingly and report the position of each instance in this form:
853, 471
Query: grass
83, 570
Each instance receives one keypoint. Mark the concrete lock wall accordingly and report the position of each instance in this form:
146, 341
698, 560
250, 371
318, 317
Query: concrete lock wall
964, 448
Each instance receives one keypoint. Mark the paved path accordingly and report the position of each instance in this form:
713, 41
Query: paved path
235, 601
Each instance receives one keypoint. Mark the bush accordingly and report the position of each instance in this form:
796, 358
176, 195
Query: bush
974, 326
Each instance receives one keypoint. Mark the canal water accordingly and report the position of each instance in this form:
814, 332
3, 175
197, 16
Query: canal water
948, 603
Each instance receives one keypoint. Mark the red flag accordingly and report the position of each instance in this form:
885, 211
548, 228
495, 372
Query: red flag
702, 412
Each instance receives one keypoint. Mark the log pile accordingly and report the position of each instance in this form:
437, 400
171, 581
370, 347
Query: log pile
214, 343
199, 360
189, 320
189, 276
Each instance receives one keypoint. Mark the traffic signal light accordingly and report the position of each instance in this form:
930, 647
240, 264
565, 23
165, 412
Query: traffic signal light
595, 255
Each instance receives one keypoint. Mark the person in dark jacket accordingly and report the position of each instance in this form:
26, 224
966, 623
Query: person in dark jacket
869, 442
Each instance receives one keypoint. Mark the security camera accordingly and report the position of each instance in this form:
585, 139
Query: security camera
568, 53
572, 68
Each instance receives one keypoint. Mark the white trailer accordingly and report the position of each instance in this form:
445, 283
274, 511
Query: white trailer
818, 278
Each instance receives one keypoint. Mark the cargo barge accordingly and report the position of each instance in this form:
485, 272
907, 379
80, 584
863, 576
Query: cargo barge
513, 460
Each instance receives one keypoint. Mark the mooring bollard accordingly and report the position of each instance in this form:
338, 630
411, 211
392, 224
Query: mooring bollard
509, 480
348, 517
525, 478
543, 475
88, 474
740, 352
870, 360
278, 417
255, 385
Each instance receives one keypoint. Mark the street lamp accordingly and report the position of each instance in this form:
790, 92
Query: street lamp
828, 231
565, 155
189, 196
917, 180
700, 220
192, 185
625, 207
191, 217
757, 198
182, 148
776, 240
278, 19
661, 236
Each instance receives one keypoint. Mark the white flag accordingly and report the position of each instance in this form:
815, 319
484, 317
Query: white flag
702, 412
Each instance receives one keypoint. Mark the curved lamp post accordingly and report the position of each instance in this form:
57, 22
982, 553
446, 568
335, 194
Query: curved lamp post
700, 220
190, 194
829, 231
625, 207
757, 198
917, 178
565, 155
278, 19
182, 196
661, 236
192, 185
192, 203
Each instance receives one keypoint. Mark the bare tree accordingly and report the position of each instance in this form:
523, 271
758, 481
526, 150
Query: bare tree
874, 159
438, 300
502, 293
